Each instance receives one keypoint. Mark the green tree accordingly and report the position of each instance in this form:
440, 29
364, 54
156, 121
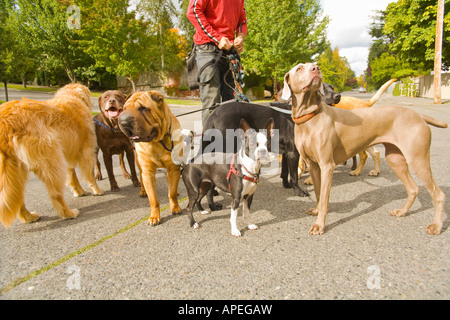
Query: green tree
42, 25
116, 39
335, 69
161, 14
6, 44
412, 25
388, 66
282, 34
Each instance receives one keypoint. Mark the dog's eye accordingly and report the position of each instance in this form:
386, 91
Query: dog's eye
299, 69
142, 108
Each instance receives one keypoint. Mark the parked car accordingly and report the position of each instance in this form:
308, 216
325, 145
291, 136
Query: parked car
362, 90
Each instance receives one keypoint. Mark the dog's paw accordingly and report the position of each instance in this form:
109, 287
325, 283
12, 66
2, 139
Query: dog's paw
153, 221
433, 229
71, 214
115, 188
252, 227
313, 212
77, 192
215, 206
398, 213
355, 172
374, 173
235, 232
126, 175
143, 194
96, 191
308, 181
316, 230
136, 183
195, 226
32, 217
176, 209
204, 212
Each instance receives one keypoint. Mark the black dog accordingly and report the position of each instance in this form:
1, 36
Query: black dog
228, 115
237, 174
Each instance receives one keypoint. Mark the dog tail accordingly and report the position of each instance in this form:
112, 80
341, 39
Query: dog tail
434, 122
12, 183
380, 92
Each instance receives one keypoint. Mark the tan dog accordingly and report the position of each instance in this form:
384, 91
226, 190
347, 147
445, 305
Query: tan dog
50, 139
148, 121
326, 136
351, 103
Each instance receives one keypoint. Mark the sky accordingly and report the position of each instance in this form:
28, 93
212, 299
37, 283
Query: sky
349, 28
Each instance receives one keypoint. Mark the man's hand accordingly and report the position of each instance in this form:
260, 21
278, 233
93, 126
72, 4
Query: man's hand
225, 44
239, 42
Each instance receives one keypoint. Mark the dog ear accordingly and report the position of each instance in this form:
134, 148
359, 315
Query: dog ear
156, 96
286, 89
322, 90
244, 125
269, 127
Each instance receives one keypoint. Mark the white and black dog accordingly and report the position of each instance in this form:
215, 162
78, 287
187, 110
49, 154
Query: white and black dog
234, 173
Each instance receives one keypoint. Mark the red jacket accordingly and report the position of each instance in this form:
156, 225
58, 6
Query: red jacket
214, 19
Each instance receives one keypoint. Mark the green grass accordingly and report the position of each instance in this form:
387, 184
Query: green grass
31, 88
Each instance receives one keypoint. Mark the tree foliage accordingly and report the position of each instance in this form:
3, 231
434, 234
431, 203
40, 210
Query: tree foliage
116, 39
282, 34
335, 69
412, 26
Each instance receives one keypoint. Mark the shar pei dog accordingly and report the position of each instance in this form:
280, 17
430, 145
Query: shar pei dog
50, 139
148, 121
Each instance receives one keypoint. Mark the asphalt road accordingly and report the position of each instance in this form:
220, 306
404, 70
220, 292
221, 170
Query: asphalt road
109, 251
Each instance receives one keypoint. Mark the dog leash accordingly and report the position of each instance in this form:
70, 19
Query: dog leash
105, 126
238, 75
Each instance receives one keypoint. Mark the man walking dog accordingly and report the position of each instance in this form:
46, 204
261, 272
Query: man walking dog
220, 25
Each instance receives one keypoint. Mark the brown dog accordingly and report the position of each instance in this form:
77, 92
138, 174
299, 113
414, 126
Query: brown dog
344, 133
50, 139
111, 140
148, 121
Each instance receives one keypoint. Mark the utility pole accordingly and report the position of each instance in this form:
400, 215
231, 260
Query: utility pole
438, 52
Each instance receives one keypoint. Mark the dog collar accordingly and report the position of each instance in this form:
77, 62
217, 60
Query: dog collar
169, 135
254, 178
105, 126
303, 118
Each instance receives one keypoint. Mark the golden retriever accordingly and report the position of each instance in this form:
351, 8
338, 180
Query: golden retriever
48, 138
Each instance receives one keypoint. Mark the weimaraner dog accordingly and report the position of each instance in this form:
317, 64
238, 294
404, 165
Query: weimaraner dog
326, 136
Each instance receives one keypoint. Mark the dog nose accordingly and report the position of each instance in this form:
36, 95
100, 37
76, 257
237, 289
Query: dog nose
125, 119
262, 153
315, 69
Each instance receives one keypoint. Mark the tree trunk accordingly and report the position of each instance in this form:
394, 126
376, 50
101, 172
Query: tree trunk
6, 90
133, 85
24, 80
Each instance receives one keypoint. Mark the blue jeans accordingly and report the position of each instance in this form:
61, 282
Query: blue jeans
218, 79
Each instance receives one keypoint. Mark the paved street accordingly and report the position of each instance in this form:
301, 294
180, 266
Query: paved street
109, 251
